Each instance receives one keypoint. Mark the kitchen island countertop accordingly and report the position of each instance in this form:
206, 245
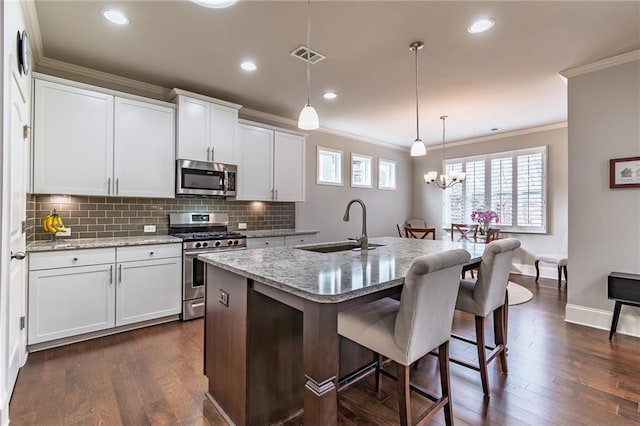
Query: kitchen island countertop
88, 243
338, 276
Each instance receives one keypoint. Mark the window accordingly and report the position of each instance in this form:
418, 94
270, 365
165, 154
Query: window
361, 170
329, 167
386, 174
513, 184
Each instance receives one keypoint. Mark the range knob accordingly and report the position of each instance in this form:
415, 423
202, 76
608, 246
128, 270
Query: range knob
205, 244
198, 245
217, 244
235, 242
229, 243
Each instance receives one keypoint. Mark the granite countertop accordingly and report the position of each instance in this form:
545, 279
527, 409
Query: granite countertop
86, 243
277, 232
338, 276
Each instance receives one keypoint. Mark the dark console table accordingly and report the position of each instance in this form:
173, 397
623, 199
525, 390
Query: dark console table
625, 290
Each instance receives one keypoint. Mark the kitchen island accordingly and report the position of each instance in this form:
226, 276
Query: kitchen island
271, 342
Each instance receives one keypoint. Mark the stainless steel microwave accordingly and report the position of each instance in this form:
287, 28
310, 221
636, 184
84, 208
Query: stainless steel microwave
205, 178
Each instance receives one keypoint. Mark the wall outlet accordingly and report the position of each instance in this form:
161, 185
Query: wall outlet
224, 298
242, 225
66, 233
149, 228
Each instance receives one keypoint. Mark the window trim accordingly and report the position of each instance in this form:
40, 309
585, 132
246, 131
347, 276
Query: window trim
319, 167
513, 154
384, 187
369, 161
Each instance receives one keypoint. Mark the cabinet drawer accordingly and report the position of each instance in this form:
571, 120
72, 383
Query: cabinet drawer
265, 242
294, 240
156, 251
67, 258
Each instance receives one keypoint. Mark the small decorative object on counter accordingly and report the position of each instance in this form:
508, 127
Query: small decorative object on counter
484, 219
53, 223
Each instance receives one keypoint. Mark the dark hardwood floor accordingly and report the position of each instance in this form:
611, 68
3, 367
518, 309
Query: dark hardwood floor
559, 374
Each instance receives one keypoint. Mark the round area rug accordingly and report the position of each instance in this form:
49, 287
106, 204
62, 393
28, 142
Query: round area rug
518, 294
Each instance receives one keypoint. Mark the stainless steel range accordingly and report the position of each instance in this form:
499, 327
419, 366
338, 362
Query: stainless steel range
202, 233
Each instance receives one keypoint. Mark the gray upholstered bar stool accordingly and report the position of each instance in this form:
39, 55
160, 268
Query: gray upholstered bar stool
407, 330
485, 296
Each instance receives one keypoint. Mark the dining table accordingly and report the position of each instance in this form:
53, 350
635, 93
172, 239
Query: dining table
283, 356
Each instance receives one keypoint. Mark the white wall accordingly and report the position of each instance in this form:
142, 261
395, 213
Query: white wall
428, 198
325, 204
604, 231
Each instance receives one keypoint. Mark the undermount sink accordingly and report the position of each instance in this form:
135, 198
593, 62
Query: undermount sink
332, 248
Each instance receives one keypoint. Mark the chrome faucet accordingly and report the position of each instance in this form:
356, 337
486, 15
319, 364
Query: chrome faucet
363, 240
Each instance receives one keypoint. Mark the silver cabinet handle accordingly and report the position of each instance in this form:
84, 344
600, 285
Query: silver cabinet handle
75, 259
119, 273
276, 195
208, 149
212, 148
110, 274
266, 243
108, 186
117, 185
273, 194
18, 256
150, 253
197, 305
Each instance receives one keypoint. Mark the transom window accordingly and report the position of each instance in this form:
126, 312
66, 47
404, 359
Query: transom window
513, 184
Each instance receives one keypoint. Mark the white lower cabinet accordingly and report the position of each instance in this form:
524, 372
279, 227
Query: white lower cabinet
294, 240
288, 240
148, 289
108, 288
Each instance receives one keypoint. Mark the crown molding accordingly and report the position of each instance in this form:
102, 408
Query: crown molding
488, 138
33, 29
294, 124
634, 55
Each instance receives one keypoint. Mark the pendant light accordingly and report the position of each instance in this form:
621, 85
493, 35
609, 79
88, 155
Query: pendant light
444, 181
417, 147
308, 119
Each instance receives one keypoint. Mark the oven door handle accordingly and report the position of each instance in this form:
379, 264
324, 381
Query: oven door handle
195, 253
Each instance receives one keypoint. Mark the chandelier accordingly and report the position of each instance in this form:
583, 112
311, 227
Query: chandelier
444, 181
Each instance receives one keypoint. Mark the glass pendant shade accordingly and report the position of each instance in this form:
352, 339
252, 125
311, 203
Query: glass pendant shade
308, 119
418, 148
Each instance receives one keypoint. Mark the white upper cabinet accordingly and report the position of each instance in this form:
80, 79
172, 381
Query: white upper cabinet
288, 167
271, 164
91, 142
73, 140
255, 167
206, 128
144, 158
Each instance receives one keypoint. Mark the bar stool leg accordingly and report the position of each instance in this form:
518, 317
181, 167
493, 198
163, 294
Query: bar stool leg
443, 358
482, 355
404, 399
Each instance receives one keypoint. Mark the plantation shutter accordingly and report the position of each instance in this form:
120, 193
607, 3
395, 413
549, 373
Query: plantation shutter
530, 195
502, 189
474, 188
453, 198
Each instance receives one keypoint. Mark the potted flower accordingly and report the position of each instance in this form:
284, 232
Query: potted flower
484, 219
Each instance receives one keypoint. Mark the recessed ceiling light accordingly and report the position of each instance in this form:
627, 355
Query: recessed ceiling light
248, 66
115, 16
481, 25
329, 94
215, 4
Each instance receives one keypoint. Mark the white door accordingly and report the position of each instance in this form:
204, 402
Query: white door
148, 289
224, 121
73, 140
255, 163
144, 149
194, 129
17, 189
288, 167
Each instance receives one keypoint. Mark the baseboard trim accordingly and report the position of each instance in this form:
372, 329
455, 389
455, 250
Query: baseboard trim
601, 319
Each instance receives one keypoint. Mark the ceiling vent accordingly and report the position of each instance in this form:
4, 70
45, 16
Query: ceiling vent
304, 54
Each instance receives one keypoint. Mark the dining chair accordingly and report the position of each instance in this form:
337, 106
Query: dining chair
560, 259
416, 223
419, 233
406, 330
486, 295
400, 231
492, 235
467, 231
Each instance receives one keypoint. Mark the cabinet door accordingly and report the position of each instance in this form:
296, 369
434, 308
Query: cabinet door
69, 301
194, 129
288, 168
265, 242
294, 240
144, 149
255, 163
148, 289
224, 121
73, 140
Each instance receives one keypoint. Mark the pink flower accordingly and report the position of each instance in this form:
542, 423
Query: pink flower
485, 218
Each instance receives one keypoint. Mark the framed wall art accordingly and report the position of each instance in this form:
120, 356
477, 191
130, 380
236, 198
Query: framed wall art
624, 172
